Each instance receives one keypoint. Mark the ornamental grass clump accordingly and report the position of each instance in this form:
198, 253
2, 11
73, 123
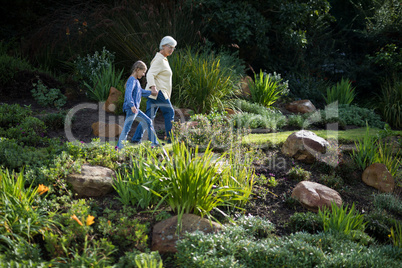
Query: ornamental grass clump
199, 183
342, 92
337, 219
266, 89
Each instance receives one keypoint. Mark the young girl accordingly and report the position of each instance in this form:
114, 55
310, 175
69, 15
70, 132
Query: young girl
131, 106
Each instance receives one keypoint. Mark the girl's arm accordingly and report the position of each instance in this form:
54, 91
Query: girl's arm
128, 96
145, 93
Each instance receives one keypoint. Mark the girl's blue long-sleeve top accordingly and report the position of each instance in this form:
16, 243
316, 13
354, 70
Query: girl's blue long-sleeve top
133, 94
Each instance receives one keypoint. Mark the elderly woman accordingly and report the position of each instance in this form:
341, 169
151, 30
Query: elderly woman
159, 81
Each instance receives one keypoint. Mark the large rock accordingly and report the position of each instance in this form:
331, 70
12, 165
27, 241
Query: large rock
101, 129
301, 106
305, 146
378, 176
93, 181
164, 236
313, 195
110, 104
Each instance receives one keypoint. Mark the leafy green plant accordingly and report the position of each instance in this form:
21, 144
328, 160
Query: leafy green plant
204, 84
387, 156
379, 223
389, 102
333, 181
343, 92
194, 184
305, 221
366, 150
9, 65
299, 174
89, 66
48, 97
135, 187
396, 235
337, 219
266, 89
389, 202
149, 260
11, 114
370, 150
22, 216
30, 131
123, 229
99, 89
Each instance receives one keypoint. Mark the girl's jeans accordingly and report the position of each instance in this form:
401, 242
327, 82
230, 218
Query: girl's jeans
144, 119
152, 108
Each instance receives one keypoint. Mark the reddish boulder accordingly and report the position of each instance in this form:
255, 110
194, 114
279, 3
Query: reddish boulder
313, 195
164, 235
110, 104
378, 176
301, 106
101, 129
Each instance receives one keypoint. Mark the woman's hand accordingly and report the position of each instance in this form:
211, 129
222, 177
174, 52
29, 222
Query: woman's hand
154, 91
134, 110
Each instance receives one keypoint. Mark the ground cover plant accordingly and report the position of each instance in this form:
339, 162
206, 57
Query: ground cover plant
236, 67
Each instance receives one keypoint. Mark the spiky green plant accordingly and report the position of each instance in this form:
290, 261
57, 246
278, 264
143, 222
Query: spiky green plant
343, 92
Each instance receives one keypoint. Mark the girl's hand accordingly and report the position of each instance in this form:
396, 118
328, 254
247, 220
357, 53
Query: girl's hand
134, 110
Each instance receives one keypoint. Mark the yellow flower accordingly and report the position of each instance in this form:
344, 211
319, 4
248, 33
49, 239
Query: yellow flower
90, 220
42, 189
76, 219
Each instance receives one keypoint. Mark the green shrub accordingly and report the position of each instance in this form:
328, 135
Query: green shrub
91, 65
299, 174
379, 224
347, 115
389, 202
266, 89
305, 222
54, 121
99, 89
123, 229
389, 103
23, 217
47, 97
366, 150
234, 247
194, 183
337, 219
342, 92
370, 150
135, 187
256, 116
333, 181
15, 156
214, 129
203, 84
396, 235
30, 131
10, 66
11, 114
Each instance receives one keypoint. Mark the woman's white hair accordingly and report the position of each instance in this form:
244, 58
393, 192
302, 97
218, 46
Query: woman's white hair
167, 40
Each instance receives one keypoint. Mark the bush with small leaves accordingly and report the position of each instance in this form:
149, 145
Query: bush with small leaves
45, 96
299, 174
306, 222
11, 114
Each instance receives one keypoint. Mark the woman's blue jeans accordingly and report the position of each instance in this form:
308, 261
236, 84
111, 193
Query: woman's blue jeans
144, 119
152, 108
